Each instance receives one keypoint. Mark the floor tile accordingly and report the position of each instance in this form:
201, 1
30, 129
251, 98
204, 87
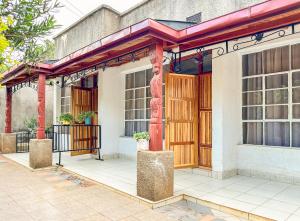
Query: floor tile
270, 213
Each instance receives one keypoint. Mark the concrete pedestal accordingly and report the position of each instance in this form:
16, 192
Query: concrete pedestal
8, 143
155, 174
40, 153
0, 142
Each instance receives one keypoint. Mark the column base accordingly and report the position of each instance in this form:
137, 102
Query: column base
40, 153
8, 143
155, 174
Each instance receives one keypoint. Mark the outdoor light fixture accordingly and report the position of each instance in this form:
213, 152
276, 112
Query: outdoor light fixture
104, 67
132, 57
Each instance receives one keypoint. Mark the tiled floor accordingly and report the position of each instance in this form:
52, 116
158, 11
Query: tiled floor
279, 201
58, 195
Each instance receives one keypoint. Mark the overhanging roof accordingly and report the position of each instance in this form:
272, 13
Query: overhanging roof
261, 17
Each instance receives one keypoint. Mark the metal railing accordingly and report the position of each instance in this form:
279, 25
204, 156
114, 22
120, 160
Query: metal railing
78, 139
23, 138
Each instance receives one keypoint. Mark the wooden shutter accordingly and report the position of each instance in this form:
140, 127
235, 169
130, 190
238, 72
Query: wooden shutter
205, 120
181, 135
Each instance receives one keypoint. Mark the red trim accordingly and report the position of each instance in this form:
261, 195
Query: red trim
261, 17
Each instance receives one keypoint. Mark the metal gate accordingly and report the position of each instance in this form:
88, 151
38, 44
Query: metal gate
23, 138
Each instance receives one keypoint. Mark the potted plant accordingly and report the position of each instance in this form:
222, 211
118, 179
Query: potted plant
142, 139
31, 125
86, 117
66, 118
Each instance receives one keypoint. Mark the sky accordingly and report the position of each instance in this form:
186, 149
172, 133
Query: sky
73, 10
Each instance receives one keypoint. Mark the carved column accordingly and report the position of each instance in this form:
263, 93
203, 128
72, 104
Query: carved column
8, 110
40, 133
155, 127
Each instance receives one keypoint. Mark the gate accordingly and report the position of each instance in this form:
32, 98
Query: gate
23, 138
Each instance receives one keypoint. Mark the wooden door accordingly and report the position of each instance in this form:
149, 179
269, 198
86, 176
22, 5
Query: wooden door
205, 120
181, 135
82, 137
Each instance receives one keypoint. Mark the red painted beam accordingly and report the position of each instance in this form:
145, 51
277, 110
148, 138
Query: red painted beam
156, 103
40, 133
8, 128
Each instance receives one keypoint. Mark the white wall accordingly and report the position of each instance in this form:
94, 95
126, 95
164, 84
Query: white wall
229, 155
111, 108
226, 106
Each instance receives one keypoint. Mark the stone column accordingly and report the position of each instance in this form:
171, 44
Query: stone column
8, 139
40, 149
8, 110
40, 153
8, 143
155, 174
155, 168
40, 133
155, 127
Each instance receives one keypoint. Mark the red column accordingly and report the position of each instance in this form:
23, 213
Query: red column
8, 110
155, 128
40, 133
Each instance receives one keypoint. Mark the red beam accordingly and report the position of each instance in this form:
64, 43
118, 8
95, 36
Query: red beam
155, 127
40, 134
8, 110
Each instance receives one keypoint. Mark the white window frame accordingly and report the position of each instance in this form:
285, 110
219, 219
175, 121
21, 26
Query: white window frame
290, 103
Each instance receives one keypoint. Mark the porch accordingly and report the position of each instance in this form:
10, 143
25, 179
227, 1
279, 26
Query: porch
271, 199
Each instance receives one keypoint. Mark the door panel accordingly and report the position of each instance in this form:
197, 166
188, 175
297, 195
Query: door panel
182, 118
205, 120
82, 136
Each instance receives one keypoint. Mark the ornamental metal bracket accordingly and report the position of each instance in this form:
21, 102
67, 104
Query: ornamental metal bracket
21, 85
259, 38
68, 80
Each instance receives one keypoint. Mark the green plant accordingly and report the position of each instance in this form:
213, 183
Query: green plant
48, 129
66, 118
83, 115
141, 136
30, 124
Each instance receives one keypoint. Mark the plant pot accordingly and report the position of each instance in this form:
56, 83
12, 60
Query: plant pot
88, 121
142, 144
64, 122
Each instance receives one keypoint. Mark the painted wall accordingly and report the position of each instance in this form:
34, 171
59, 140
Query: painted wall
229, 155
105, 20
111, 108
24, 106
181, 9
101, 22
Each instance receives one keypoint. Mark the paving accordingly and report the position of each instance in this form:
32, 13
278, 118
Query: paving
54, 194
263, 197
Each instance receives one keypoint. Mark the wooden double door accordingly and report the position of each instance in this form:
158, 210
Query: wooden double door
84, 137
189, 119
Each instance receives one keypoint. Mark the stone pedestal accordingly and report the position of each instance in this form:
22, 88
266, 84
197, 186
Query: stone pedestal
0, 142
40, 153
8, 143
155, 174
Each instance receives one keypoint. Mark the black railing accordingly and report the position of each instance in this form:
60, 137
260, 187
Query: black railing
78, 139
23, 138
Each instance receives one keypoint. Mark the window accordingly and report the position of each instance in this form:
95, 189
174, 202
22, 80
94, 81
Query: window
65, 100
271, 97
137, 100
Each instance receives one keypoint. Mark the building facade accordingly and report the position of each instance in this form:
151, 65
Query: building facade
227, 88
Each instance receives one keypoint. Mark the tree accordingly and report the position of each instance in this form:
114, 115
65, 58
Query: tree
24, 28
